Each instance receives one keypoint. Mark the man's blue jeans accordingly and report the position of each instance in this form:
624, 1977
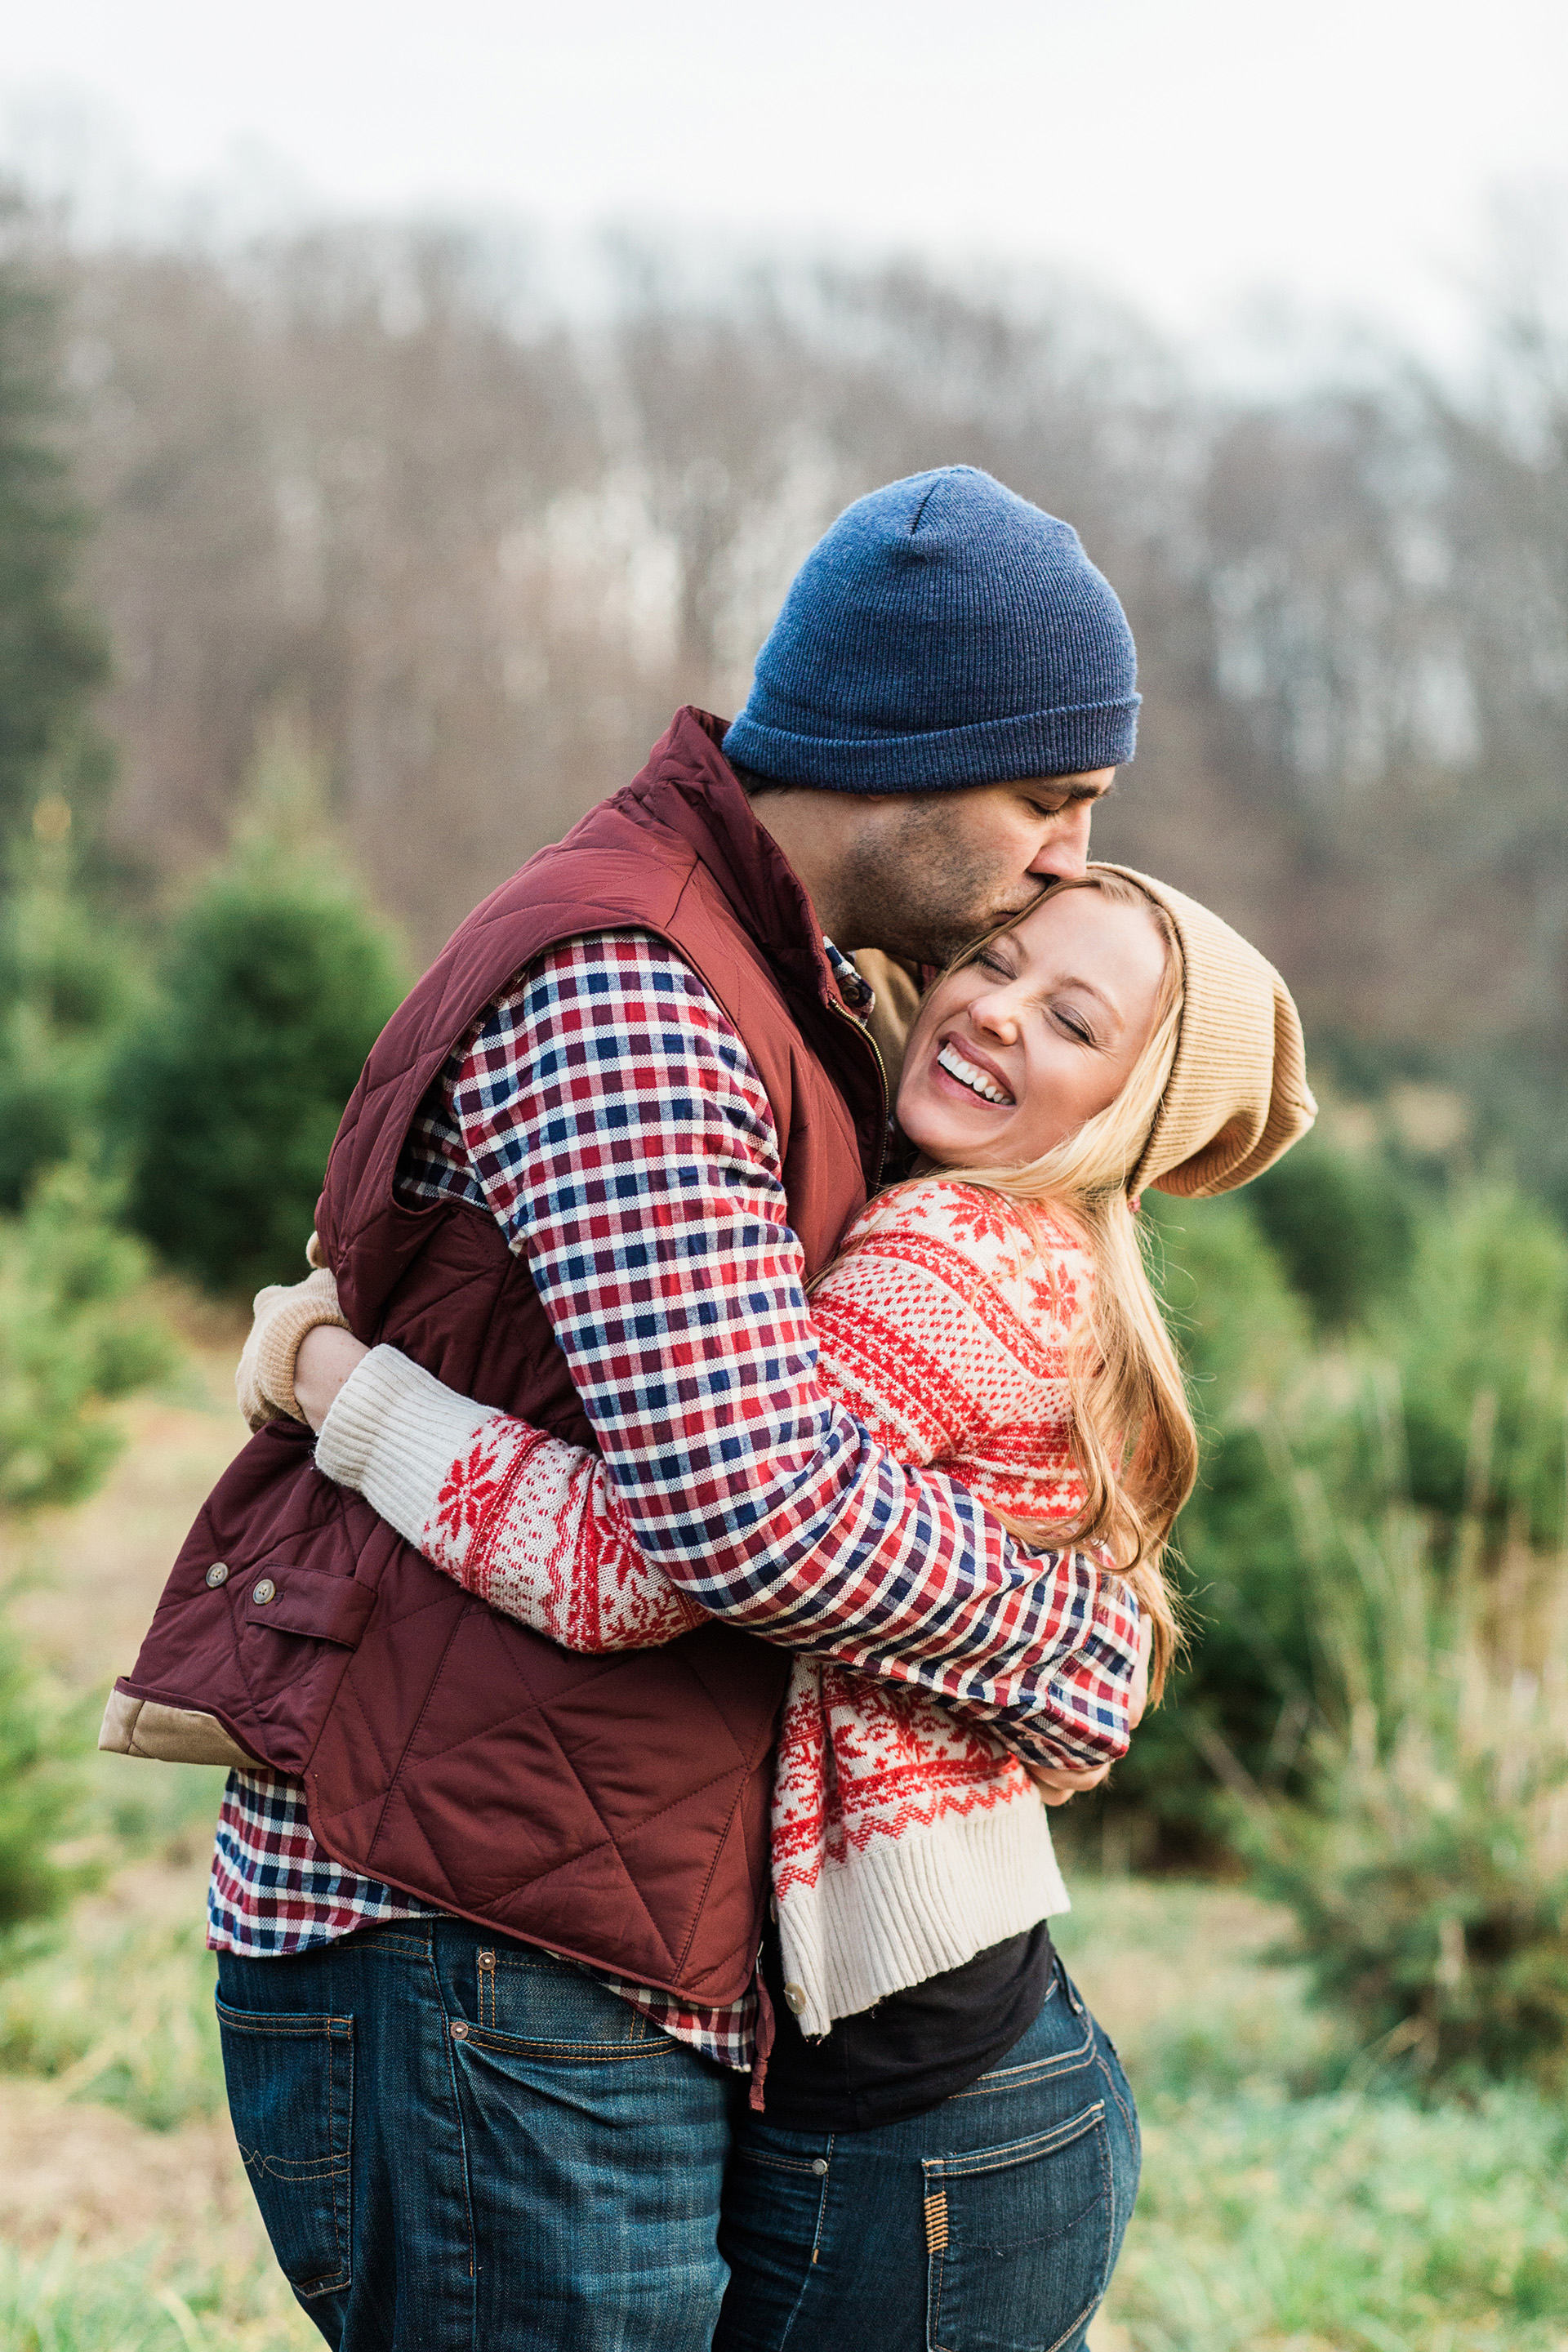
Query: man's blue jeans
460, 2144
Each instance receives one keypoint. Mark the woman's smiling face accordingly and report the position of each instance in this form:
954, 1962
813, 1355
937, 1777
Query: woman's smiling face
1037, 1033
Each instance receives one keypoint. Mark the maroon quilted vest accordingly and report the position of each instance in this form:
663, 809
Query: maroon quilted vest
615, 1808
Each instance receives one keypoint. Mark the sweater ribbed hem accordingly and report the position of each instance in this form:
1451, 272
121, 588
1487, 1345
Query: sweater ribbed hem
393, 1434
908, 1907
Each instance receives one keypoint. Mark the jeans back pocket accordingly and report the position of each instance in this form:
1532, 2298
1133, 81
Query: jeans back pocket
1019, 2239
290, 2093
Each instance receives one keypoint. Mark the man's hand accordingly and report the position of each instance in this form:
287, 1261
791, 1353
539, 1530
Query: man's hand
1138, 1698
327, 1355
1060, 1786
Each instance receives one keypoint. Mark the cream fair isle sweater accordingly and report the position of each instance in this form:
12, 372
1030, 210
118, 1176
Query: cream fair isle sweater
904, 1840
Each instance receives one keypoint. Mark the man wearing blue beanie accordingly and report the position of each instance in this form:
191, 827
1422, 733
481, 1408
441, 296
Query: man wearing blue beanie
632, 1108
950, 686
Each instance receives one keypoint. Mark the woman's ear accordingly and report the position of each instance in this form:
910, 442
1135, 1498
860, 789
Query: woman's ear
1135, 1201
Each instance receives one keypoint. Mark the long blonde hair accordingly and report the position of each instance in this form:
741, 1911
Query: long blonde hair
1132, 1428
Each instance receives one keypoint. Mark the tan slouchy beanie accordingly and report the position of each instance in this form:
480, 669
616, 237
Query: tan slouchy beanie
1238, 1095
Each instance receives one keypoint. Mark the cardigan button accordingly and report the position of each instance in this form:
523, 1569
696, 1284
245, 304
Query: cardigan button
795, 1999
217, 1574
264, 1592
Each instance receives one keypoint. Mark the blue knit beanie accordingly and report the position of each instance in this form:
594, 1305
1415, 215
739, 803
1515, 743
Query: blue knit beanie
944, 632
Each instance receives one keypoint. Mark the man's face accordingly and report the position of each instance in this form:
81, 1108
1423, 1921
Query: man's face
930, 871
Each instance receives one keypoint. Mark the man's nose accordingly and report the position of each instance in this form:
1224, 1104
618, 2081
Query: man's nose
1064, 853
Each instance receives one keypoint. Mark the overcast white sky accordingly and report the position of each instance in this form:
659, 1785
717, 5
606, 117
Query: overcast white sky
1183, 152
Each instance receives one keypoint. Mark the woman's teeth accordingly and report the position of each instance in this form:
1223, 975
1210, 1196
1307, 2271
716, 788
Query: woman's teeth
981, 1081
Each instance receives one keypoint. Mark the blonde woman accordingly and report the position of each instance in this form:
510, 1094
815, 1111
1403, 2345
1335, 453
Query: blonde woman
992, 1314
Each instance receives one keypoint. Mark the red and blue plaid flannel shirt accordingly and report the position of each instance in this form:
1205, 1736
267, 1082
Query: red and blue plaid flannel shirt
609, 1115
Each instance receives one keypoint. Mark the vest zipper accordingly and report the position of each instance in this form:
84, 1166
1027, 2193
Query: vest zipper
838, 1006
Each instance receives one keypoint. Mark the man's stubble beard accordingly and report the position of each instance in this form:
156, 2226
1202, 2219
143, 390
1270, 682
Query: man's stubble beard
917, 894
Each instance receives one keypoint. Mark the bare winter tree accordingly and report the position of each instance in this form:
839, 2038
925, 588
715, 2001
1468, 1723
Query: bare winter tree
362, 480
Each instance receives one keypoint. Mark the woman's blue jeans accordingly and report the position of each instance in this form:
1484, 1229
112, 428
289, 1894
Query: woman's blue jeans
991, 2223
461, 2145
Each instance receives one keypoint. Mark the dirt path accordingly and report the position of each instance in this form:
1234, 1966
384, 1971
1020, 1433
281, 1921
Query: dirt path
91, 1575
91, 1579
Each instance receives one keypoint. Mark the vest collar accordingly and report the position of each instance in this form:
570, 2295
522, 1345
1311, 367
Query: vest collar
690, 787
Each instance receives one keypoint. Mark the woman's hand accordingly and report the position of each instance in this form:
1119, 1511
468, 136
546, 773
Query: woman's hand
326, 1357
283, 1312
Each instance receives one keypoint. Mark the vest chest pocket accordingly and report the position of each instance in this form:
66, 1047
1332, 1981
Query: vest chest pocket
290, 2093
292, 1599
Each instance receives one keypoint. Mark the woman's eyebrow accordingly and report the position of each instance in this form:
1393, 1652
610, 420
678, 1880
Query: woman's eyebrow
1090, 988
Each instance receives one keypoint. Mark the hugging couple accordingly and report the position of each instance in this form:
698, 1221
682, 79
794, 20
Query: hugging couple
693, 1522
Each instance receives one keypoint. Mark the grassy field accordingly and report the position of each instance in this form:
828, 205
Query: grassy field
1276, 2215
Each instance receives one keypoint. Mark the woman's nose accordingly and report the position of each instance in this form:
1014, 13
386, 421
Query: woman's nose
996, 1014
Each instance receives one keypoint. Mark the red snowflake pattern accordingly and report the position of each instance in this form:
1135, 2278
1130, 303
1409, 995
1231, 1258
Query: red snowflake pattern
469, 1488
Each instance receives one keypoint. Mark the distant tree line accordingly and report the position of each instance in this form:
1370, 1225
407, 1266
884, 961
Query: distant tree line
478, 553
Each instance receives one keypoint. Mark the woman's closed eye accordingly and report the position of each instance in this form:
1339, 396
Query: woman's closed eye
998, 966
1075, 1026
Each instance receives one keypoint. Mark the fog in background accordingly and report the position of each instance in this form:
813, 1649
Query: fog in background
368, 484
1188, 156
453, 405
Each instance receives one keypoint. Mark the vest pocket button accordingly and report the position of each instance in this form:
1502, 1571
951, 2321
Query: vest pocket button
217, 1574
264, 1592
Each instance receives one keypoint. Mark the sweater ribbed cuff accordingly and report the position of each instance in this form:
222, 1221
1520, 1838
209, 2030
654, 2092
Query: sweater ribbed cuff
393, 1434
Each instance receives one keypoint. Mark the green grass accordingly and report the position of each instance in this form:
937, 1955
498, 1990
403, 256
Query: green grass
119, 2011
64, 2301
114, 2003
1293, 2202
1347, 2220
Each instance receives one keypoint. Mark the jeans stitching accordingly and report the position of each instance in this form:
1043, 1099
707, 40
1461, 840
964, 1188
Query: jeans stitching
964, 2167
1126, 2117
342, 2187
300, 2024
815, 2244
288, 2172
1033, 2070
1048, 2144
455, 2088
936, 2261
338, 2171
592, 2053
1108, 2193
